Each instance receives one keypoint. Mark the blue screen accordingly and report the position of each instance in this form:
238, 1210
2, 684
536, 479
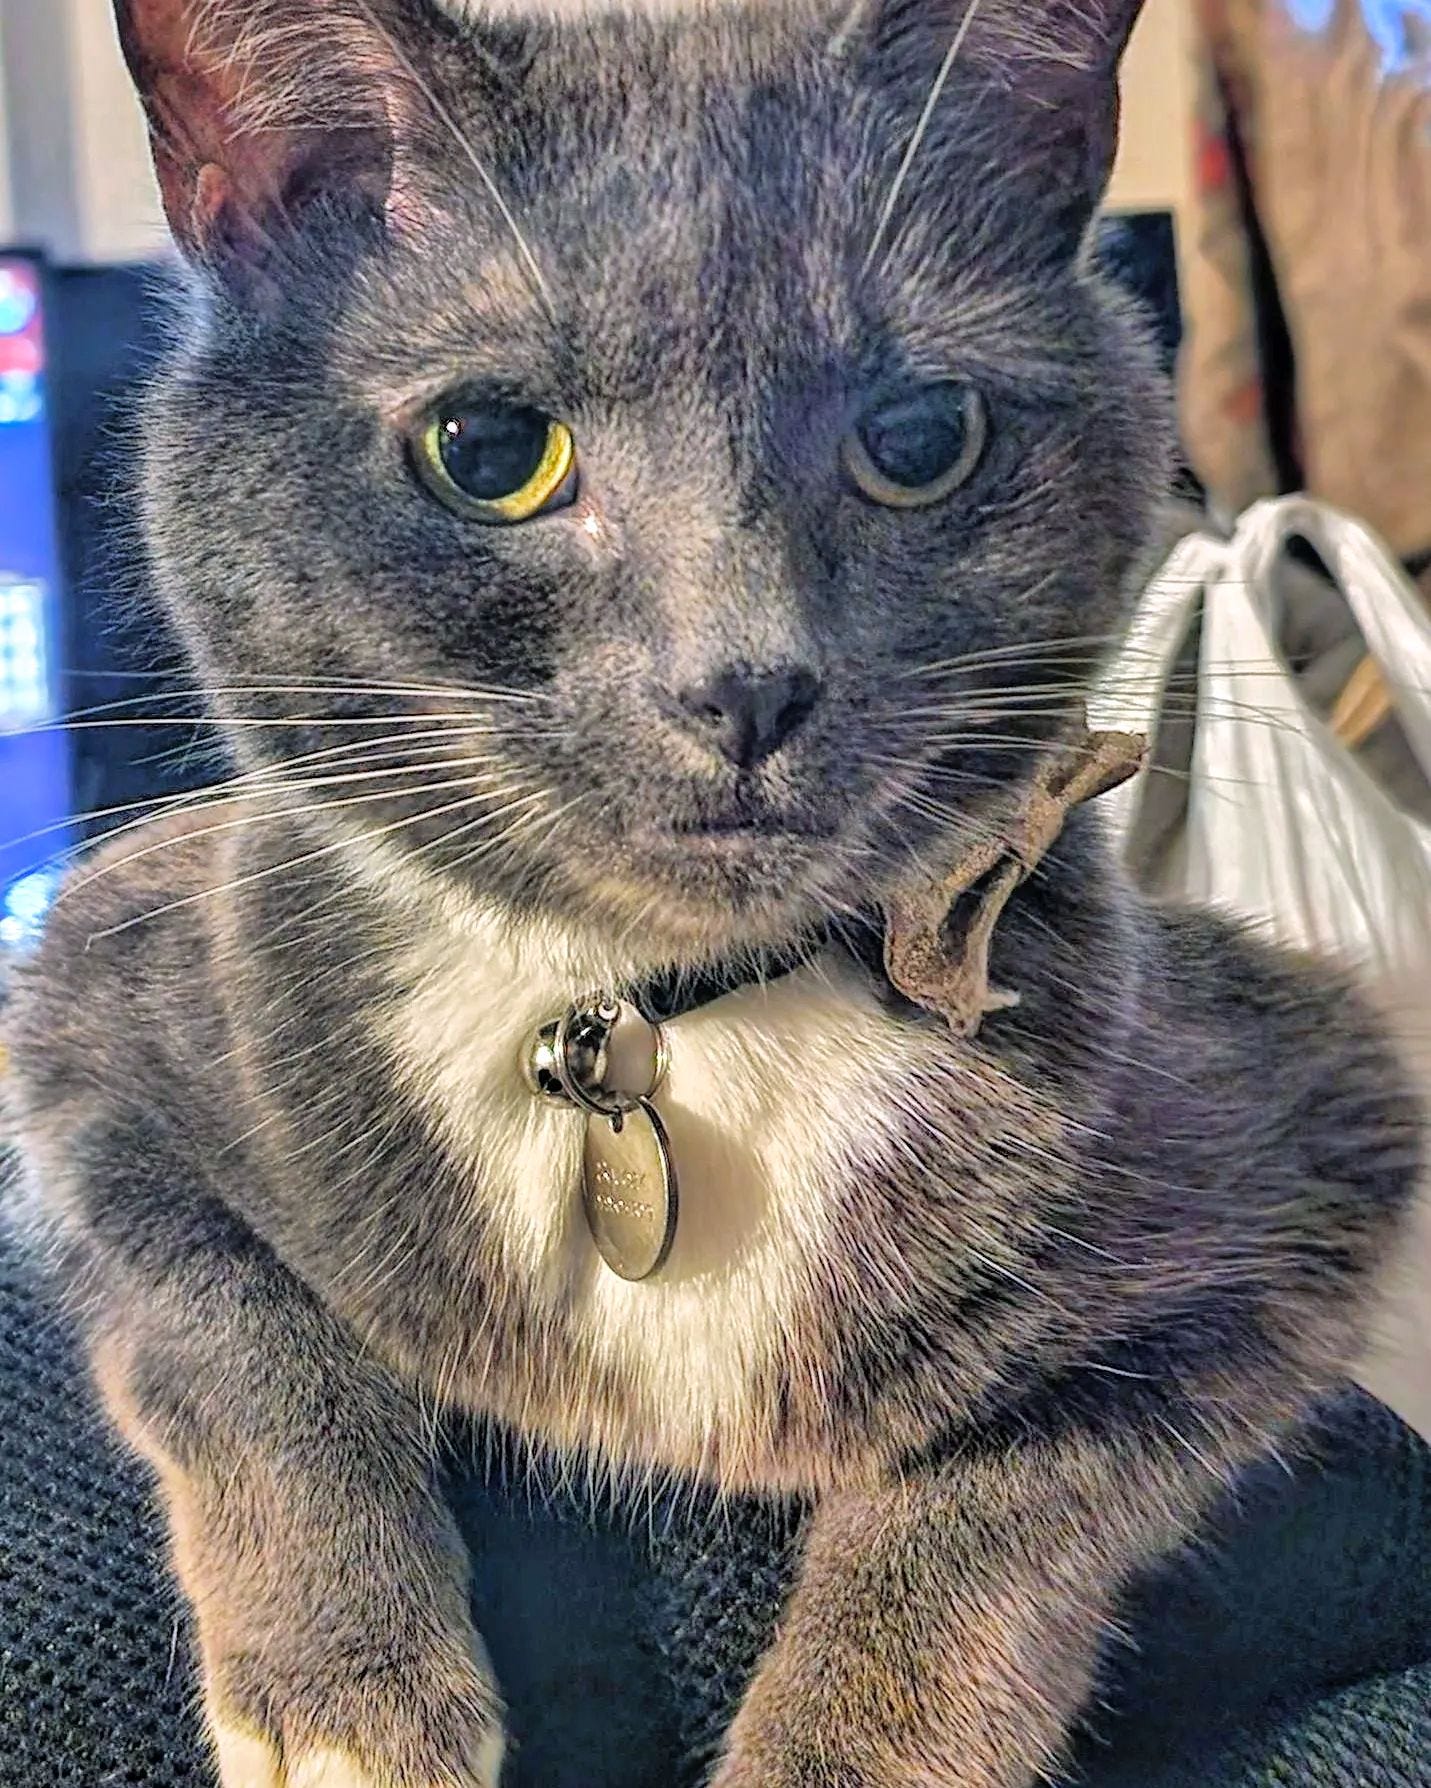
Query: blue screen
34, 758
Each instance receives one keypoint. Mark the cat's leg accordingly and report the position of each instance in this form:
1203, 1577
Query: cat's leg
946, 1630
328, 1582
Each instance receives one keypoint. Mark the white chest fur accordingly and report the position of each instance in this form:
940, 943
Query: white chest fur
776, 1096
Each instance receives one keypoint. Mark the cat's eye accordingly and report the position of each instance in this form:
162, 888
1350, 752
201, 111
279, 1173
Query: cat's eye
496, 463
917, 449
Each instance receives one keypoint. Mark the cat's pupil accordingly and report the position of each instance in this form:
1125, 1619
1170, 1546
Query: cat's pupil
915, 440
491, 451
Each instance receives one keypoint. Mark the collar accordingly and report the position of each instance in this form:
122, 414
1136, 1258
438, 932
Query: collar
678, 992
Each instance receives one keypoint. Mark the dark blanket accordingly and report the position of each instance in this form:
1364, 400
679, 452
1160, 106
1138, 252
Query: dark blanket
1291, 1647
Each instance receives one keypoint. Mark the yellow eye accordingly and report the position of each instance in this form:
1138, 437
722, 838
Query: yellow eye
918, 449
496, 463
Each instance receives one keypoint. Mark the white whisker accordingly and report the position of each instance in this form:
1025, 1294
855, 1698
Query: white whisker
464, 143
941, 81
283, 811
272, 869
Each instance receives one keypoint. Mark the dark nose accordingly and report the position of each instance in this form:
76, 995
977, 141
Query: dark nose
747, 714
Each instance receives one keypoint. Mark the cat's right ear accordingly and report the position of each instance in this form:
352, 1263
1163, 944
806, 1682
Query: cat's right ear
261, 110
1046, 72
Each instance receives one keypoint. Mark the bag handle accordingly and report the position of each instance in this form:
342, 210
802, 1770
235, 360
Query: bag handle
1385, 603
1129, 696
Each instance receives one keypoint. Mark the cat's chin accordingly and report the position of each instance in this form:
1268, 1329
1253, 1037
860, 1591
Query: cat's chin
701, 896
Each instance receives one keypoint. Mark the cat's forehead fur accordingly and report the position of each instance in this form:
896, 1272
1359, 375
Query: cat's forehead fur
694, 191
574, 9
695, 173
1026, 31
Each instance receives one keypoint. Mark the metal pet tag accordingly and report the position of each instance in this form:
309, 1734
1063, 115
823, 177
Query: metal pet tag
608, 1061
629, 1190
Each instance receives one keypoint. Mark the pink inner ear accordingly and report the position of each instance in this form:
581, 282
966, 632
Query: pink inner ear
269, 104
211, 194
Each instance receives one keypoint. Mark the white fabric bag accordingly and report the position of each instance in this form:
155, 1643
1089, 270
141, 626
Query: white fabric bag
1261, 811
1282, 825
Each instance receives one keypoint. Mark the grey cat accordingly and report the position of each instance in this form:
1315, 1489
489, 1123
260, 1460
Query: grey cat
636, 488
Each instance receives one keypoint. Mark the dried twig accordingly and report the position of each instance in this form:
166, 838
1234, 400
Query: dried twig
938, 934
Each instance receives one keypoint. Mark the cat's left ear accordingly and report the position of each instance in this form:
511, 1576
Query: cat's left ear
261, 110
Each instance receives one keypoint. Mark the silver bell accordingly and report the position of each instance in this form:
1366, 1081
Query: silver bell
610, 1050
587, 1035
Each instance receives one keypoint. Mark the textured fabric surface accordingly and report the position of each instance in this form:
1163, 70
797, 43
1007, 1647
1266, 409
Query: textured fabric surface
93, 1675
1290, 1648
1372, 1735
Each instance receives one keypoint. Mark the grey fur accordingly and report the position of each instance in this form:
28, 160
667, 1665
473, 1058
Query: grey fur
1122, 1238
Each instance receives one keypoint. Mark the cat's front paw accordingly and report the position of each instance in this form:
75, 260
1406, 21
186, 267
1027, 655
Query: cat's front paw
247, 1760
794, 1767
381, 1743
332, 1769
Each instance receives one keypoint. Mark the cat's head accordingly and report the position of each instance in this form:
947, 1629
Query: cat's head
685, 450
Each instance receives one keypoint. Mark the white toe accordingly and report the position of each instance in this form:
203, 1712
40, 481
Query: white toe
334, 1769
489, 1760
330, 1769
245, 1760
